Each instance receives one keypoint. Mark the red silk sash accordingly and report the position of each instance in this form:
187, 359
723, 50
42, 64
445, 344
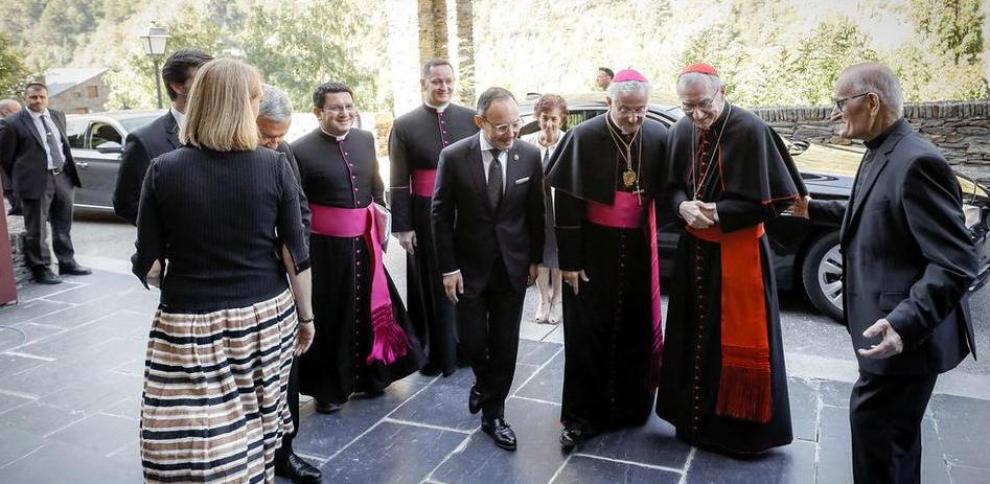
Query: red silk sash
744, 386
626, 212
423, 182
389, 342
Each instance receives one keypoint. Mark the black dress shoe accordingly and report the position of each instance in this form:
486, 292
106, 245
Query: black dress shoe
46, 276
327, 407
297, 470
500, 432
570, 437
430, 370
474, 400
73, 269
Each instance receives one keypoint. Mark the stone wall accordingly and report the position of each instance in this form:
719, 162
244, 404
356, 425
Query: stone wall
960, 129
88, 97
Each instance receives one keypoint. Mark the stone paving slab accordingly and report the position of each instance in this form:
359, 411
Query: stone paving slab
71, 374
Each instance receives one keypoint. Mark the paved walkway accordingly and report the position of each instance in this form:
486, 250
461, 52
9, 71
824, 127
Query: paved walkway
71, 363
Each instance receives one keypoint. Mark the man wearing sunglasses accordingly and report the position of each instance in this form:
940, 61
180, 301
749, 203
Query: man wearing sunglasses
908, 262
488, 230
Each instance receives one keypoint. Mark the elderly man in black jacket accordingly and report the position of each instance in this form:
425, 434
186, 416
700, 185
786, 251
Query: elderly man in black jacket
159, 137
488, 231
35, 152
908, 262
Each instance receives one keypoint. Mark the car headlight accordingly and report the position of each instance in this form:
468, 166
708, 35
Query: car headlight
972, 213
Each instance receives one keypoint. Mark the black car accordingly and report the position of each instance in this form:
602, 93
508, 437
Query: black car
806, 254
96, 141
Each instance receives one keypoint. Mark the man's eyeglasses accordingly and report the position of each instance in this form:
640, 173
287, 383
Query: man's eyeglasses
504, 128
335, 110
704, 105
624, 111
840, 104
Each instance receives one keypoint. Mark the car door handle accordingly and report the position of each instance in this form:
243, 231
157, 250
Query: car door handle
81, 164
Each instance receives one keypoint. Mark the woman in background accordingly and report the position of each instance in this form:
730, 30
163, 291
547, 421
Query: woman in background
551, 113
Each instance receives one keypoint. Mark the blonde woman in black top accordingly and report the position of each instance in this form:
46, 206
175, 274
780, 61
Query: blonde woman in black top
223, 219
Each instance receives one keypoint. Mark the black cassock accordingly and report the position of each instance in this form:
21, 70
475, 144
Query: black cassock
344, 174
751, 178
415, 143
609, 325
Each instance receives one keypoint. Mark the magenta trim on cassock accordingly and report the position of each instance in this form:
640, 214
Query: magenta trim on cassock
389, 342
626, 212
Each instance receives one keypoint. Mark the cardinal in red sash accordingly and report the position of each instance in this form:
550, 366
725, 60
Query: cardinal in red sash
723, 383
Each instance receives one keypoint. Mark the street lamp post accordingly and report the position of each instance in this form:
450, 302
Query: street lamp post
154, 45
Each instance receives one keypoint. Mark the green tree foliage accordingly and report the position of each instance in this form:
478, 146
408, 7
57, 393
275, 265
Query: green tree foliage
13, 73
821, 57
954, 27
299, 45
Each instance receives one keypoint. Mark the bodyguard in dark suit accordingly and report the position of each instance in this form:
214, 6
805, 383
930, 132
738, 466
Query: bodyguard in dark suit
488, 230
159, 137
35, 151
908, 262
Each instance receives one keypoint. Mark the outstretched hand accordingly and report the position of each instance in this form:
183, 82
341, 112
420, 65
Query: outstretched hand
891, 343
573, 279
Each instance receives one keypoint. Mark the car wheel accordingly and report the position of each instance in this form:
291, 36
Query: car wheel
822, 275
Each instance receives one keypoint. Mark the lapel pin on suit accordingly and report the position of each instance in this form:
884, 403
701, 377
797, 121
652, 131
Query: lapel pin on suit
515, 156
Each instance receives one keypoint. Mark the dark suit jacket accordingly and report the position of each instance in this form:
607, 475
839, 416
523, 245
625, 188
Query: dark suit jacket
140, 147
23, 156
469, 236
307, 216
907, 257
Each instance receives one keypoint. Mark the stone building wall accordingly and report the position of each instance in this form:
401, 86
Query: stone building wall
88, 97
960, 129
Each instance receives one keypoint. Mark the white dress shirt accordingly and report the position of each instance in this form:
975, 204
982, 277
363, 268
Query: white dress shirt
180, 119
36, 117
486, 159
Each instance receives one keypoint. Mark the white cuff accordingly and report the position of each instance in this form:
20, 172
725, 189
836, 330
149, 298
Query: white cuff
458, 271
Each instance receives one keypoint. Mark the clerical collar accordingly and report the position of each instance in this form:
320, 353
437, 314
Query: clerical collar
438, 109
180, 119
340, 138
878, 141
610, 120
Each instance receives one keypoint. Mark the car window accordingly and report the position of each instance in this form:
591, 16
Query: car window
75, 130
101, 132
133, 124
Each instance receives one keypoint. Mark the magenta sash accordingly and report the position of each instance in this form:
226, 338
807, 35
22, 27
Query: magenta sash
626, 212
389, 342
423, 182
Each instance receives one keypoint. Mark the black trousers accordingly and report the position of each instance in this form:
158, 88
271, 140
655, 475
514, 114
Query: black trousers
54, 207
885, 413
488, 327
292, 395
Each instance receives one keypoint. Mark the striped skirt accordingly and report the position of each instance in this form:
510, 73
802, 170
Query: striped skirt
214, 407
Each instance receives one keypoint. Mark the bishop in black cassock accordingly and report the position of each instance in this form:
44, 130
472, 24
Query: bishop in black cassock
606, 179
723, 383
414, 149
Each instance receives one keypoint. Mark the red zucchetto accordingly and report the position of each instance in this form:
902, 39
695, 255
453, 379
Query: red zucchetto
629, 75
700, 67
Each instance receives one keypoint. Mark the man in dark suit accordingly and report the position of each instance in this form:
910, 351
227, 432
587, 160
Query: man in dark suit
274, 120
908, 262
159, 137
35, 152
488, 231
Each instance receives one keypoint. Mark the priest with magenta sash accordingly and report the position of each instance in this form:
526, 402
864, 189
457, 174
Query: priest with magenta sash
363, 338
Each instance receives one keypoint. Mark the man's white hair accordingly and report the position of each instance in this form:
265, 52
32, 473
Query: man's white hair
275, 105
691, 78
617, 88
878, 79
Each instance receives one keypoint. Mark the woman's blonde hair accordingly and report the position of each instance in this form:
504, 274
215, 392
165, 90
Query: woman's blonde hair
219, 115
